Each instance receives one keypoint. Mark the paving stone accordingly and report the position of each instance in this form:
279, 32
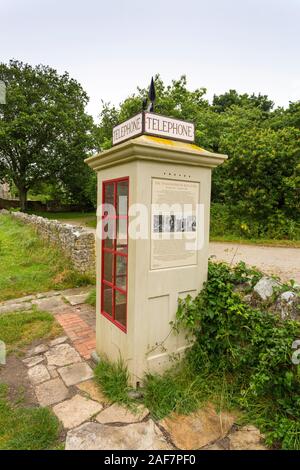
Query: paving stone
93, 390
95, 358
56, 341
246, 438
76, 291
62, 355
14, 307
40, 349
191, 432
77, 299
52, 371
51, 293
96, 436
49, 304
27, 298
76, 373
33, 361
20, 300
118, 414
51, 392
38, 374
75, 411
215, 446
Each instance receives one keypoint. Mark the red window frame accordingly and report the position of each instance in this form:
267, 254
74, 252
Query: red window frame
115, 253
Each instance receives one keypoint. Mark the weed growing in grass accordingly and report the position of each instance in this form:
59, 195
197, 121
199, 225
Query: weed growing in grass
26, 428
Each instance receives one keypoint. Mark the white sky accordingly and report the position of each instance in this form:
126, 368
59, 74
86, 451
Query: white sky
110, 47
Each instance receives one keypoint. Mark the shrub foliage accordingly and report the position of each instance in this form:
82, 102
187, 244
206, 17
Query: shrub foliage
251, 347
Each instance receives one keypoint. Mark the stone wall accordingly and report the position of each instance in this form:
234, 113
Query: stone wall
76, 242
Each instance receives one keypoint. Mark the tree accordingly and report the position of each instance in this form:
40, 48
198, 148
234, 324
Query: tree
261, 177
174, 100
259, 184
45, 133
231, 98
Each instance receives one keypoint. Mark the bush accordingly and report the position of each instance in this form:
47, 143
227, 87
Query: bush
229, 221
253, 347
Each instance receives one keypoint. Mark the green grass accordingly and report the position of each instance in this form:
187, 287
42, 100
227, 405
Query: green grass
19, 329
91, 298
86, 219
30, 265
255, 241
24, 428
178, 390
113, 380
181, 390
228, 225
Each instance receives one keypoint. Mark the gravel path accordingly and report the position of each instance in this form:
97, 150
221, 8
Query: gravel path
283, 262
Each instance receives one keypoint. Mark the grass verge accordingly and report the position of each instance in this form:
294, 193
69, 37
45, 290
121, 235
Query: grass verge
26, 428
256, 241
19, 329
30, 265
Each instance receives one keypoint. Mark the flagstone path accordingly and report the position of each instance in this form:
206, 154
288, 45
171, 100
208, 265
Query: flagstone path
61, 375
69, 309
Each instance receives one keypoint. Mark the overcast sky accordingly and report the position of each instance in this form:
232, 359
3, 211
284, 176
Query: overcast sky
112, 46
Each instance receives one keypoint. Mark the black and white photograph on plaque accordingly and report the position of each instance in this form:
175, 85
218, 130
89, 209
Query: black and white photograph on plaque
191, 223
180, 224
157, 223
168, 223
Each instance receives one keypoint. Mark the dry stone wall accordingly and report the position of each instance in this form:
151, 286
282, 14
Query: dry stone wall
76, 242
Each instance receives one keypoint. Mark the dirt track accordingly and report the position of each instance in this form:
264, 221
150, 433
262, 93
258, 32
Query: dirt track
283, 262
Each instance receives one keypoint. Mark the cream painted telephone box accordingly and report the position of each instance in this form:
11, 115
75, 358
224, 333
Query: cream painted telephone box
140, 278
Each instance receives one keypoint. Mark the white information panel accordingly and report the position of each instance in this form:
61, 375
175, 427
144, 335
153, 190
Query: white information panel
174, 224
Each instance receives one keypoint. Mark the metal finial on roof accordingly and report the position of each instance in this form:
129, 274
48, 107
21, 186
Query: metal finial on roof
151, 96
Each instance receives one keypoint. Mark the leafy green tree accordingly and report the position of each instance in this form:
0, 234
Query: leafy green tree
260, 179
45, 133
174, 100
231, 98
259, 183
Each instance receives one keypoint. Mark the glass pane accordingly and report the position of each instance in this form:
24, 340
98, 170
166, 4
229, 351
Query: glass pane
120, 308
109, 232
109, 193
122, 235
107, 299
121, 271
122, 197
108, 266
